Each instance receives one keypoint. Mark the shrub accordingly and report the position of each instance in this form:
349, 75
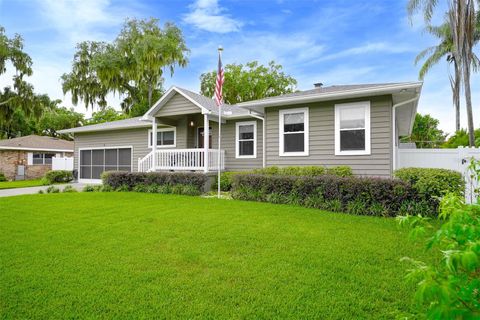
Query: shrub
308, 171
69, 189
431, 182
92, 188
57, 176
2, 177
52, 189
226, 180
129, 180
41, 192
356, 195
447, 288
123, 188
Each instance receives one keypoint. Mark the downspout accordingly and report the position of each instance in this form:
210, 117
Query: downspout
394, 128
264, 162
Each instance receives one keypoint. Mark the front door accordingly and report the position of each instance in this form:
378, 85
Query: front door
200, 137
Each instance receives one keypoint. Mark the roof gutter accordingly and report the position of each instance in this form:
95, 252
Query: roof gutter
35, 149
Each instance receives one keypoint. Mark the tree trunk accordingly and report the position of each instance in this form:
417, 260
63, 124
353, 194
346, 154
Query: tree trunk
468, 102
456, 97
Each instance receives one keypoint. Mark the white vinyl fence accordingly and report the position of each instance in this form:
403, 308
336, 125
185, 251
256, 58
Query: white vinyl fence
453, 159
62, 163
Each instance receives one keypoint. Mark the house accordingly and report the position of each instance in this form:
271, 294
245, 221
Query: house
354, 125
29, 157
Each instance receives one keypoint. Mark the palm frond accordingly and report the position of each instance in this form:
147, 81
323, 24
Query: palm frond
432, 60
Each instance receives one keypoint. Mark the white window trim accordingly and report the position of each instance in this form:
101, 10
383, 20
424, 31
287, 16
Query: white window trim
306, 130
237, 139
338, 107
174, 145
100, 148
30, 158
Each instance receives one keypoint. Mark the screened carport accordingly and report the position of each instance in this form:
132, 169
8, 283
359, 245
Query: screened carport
93, 162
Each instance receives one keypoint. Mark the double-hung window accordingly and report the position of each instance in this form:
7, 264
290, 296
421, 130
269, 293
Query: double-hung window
165, 138
352, 128
246, 139
294, 131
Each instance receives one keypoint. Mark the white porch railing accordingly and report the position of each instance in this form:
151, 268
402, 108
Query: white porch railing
181, 159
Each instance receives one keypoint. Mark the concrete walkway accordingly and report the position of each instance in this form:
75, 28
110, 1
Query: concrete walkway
33, 190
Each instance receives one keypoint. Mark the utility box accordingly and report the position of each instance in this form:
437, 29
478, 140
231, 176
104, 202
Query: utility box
20, 172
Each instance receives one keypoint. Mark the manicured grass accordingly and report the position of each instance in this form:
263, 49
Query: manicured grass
20, 184
132, 255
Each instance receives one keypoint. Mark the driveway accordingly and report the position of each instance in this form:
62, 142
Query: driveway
33, 190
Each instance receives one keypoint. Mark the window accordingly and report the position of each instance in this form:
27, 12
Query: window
165, 138
94, 162
294, 132
42, 158
246, 139
352, 128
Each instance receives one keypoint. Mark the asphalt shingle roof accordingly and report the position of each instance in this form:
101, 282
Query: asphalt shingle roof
37, 143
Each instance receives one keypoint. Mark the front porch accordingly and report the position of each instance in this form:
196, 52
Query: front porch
182, 160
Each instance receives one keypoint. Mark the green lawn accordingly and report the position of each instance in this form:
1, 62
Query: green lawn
131, 255
20, 184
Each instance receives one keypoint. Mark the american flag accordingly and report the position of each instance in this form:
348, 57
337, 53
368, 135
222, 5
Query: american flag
219, 82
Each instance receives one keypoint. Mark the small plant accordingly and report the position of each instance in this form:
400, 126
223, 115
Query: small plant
53, 189
357, 207
107, 188
448, 288
164, 189
123, 188
2, 177
190, 190
41, 192
153, 188
140, 188
57, 176
69, 189
333, 205
92, 188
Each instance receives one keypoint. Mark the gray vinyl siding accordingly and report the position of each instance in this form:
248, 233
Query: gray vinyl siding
178, 105
322, 138
228, 144
136, 138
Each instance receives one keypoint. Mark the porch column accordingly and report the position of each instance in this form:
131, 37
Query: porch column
154, 143
206, 135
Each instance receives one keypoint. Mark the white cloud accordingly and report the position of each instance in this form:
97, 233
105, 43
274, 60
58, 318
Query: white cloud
208, 15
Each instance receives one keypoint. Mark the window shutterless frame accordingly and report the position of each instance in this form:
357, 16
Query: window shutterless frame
238, 139
174, 129
306, 133
365, 105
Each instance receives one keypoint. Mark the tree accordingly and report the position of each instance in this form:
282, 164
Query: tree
20, 94
132, 66
105, 115
444, 50
425, 132
462, 22
249, 82
59, 118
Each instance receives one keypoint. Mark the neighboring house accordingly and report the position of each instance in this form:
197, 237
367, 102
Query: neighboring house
31, 153
354, 125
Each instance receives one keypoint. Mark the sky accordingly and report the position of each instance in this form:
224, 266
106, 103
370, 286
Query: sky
329, 41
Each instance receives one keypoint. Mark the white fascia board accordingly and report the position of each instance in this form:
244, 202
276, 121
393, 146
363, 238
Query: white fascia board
35, 149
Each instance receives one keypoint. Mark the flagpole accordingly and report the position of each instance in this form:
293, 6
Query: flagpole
220, 49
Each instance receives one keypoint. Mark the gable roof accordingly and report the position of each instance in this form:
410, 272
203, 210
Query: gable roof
207, 105
129, 123
37, 143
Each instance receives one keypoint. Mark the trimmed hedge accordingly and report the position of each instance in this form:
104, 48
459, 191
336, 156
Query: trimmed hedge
226, 178
355, 195
432, 182
127, 181
308, 171
57, 176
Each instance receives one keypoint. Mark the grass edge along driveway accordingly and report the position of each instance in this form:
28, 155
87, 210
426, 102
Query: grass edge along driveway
20, 184
132, 255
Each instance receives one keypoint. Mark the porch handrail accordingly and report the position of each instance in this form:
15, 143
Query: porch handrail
182, 159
